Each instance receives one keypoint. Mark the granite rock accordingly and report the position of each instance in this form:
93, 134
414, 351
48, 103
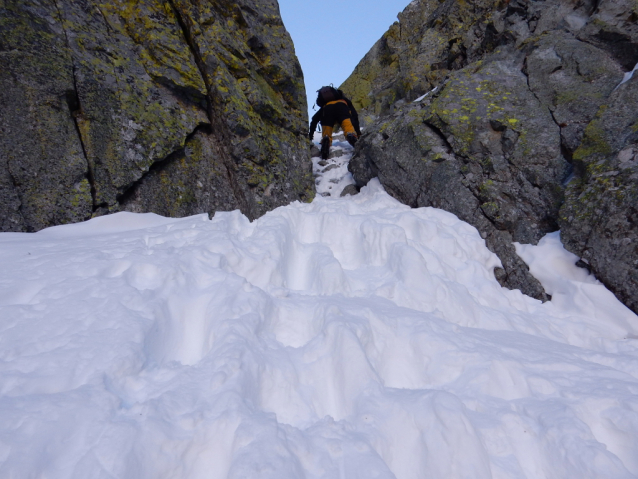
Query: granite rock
103, 102
485, 109
599, 219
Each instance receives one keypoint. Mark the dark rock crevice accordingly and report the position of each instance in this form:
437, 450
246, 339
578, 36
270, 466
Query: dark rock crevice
440, 134
14, 181
493, 39
17, 217
109, 27
566, 152
188, 95
129, 190
16, 186
186, 27
531, 90
440, 13
75, 109
620, 46
214, 105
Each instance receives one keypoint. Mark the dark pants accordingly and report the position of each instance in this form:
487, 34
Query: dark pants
336, 113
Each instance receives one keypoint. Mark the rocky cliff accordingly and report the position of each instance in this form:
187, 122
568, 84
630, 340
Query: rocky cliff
599, 220
175, 107
509, 115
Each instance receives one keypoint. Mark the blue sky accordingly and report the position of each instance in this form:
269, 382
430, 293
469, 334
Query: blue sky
332, 37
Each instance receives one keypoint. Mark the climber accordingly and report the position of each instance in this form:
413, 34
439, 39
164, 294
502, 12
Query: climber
334, 109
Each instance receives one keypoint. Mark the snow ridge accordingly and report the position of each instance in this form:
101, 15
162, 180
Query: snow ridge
348, 338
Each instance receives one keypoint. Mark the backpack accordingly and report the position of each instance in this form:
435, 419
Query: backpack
326, 94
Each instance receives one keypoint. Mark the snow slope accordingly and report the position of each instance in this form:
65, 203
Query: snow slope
348, 338
332, 175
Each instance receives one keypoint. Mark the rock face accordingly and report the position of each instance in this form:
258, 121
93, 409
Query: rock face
171, 106
599, 220
511, 89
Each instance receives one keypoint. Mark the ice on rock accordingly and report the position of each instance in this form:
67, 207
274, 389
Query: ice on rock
628, 76
347, 338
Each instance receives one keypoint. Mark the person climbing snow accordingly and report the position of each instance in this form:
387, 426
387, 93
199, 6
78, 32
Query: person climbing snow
334, 109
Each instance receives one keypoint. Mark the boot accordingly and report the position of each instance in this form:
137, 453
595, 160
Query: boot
352, 139
325, 147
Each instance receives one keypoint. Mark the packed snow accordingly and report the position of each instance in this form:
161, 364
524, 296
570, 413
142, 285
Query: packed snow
332, 175
423, 96
628, 76
348, 338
